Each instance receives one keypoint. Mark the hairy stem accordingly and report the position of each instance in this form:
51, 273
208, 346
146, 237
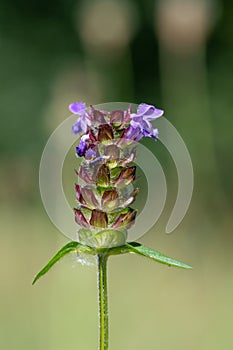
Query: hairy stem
103, 301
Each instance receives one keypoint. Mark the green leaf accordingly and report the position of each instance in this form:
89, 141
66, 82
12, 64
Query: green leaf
68, 248
139, 249
132, 247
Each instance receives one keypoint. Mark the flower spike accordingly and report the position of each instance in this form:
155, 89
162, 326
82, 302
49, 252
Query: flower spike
105, 192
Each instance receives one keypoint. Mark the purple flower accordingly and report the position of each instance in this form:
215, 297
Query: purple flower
106, 145
141, 120
90, 154
148, 112
77, 107
133, 133
153, 133
83, 121
81, 149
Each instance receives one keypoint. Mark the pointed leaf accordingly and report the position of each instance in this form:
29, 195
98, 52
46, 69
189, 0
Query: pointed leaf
139, 249
68, 248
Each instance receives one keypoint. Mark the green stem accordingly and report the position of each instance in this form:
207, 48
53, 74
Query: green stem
103, 301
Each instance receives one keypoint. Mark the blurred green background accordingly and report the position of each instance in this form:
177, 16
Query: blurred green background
176, 54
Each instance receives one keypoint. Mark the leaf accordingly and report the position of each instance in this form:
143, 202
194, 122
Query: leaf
68, 248
139, 249
132, 247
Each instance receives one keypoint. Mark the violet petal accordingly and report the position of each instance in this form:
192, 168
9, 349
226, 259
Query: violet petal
77, 107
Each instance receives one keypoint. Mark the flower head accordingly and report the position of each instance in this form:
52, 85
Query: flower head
107, 145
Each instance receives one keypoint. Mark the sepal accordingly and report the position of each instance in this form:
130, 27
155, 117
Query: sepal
105, 133
110, 200
125, 219
99, 218
80, 218
126, 177
103, 176
117, 118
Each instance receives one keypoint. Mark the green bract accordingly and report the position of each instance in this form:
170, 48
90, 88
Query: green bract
133, 247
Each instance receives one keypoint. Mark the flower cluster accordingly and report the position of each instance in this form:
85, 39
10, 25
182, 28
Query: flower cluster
106, 173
